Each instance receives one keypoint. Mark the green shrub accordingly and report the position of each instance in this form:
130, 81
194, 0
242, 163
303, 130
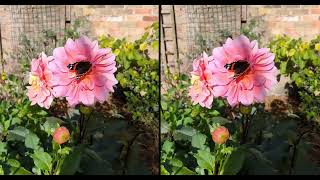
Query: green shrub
138, 73
300, 61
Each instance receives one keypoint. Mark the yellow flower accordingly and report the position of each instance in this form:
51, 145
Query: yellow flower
116, 52
3, 76
143, 46
317, 47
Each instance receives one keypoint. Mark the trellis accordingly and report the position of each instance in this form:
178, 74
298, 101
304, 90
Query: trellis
206, 26
212, 23
34, 20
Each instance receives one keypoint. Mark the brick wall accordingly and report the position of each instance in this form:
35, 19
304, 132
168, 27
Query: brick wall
117, 20
294, 20
120, 21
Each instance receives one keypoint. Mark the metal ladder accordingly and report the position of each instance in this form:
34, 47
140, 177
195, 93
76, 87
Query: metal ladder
169, 37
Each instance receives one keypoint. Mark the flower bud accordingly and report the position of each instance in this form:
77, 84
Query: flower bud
245, 109
61, 135
220, 135
4, 76
85, 110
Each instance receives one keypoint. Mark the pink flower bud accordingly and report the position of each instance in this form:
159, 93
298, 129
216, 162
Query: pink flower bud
61, 135
220, 135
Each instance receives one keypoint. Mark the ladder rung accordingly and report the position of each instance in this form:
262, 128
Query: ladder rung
169, 53
165, 12
166, 26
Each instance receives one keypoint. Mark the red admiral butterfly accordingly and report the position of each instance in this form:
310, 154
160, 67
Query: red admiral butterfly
238, 67
82, 68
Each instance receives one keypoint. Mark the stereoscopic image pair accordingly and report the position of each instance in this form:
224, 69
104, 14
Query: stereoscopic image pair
159, 90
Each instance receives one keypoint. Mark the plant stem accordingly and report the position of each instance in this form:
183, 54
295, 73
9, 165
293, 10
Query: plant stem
81, 123
292, 164
245, 122
84, 117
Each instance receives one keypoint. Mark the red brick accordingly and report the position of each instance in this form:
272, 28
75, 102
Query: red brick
150, 18
134, 18
143, 24
310, 18
315, 11
142, 11
316, 24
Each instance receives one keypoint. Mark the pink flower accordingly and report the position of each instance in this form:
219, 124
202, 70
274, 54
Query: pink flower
83, 73
202, 81
61, 135
220, 135
40, 78
243, 73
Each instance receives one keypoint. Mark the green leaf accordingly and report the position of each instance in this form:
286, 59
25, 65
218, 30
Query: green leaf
17, 134
176, 162
155, 45
220, 120
198, 141
205, 160
13, 163
72, 162
93, 154
233, 163
167, 147
291, 52
32, 141
42, 113
1, 170
305, 55
214, 113
51, 124
95, 165
187, 121
3, 147
123, 82
164, 171
164, 127
185, 171
42, 160
15, 120
19, 171
283, 67
164, 105
185, 133
126, 64
1, 128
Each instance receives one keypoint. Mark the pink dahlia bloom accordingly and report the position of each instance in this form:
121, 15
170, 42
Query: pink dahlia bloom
202, 81
40, 80
83, 73
243, 73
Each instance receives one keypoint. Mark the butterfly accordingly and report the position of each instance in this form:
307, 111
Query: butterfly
81, 68
238, 67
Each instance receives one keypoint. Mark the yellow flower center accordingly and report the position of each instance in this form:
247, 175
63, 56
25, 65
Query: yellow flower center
34, 81
195, 81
